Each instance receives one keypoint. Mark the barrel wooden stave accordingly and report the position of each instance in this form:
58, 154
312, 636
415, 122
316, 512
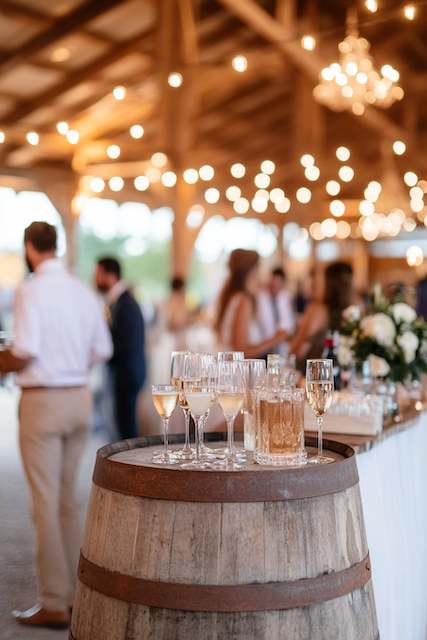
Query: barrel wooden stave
197, 542
102, 618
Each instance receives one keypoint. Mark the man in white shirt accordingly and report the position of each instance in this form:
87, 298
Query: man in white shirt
59, 332
275, 307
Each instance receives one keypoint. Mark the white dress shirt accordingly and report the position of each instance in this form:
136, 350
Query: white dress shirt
60, 325
275, 314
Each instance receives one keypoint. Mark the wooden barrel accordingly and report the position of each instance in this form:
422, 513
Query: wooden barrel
257, 554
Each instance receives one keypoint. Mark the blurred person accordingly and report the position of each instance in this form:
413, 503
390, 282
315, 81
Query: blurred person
324, 311
421, 294
275, 306
127, 366
237, 323
59, 332
176, 315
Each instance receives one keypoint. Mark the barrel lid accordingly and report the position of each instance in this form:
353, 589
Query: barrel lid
126, 467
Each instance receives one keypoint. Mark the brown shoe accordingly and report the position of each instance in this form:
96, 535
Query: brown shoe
39, 617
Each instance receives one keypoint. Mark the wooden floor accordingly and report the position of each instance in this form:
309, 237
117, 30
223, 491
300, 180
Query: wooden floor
17, 577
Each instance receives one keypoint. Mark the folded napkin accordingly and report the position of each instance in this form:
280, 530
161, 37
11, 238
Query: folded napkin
350, 414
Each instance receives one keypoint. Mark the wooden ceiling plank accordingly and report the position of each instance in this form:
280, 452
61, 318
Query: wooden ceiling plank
65, 25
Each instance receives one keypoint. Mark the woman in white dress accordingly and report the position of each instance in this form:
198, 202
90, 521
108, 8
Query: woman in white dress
236, 322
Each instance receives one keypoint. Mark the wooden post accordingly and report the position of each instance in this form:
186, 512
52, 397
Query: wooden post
183, 237
360, 263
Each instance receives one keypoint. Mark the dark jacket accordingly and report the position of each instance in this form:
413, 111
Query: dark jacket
128, 333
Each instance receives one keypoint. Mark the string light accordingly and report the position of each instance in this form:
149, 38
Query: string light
259, 204
268, 167
262, 193
97, 185
343, 230
195, 216
119, 92
212, 195
410, 178
416, 193
241, 206
233, 193
414, 256
62, 128
342, 154
262, 181
113, 151
136, 131
303, 195
206, 172
346, 173
308, 42
409, 11
399, 147
153, 174
312, 173
169, 179
2, 137
371, 5
366, 207
141, 183
329, 227
73, 136
337, 208
190, 176
175, 79
33, 138
239, 63
159, 159
333, 187
276, 194
238, 170
307, 160
116, 183
283, 205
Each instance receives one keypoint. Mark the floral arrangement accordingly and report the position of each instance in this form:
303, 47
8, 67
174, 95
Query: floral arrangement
389, 337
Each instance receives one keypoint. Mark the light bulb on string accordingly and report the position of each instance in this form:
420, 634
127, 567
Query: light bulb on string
239, 63
238, 170
136, 131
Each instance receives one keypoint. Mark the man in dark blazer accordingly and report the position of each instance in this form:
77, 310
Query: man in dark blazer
127, 365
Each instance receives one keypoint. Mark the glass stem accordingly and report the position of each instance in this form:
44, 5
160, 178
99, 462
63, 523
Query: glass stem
196, 436
320, 436
187, 430
201, 427
230, 437
166, 435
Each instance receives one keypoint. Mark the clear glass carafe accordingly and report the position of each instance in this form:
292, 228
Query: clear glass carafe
280, 426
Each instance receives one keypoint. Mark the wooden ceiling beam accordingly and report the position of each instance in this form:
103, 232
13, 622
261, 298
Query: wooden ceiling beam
63, 26
309, 63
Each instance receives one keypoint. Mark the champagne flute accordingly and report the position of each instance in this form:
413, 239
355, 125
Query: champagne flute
199, 375
177, 380
165, 397
319, 381
254, 373
230, 390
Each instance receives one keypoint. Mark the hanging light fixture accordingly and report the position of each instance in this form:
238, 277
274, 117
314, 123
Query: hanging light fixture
353, 82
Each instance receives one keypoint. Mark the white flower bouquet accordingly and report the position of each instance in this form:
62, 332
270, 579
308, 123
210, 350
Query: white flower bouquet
389, 337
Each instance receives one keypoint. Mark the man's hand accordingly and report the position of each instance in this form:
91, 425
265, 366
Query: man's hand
9, 363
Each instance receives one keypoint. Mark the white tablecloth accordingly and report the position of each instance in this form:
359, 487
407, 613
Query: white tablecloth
393, 482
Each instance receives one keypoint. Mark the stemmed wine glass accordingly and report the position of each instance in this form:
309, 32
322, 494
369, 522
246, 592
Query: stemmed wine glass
198, 380
230, 356
177, 380
320, 390
229, 391
165, 397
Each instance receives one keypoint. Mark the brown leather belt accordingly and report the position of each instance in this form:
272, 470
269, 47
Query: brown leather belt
64, 388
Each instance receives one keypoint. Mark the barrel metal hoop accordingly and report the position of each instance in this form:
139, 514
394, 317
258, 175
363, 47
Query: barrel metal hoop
260, 485
224, 598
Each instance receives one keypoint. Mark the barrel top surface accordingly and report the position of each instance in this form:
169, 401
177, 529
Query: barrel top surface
126, 467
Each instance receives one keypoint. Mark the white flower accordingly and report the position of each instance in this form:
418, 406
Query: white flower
403, 313
352, 313
378, 366
379, 327
408, 342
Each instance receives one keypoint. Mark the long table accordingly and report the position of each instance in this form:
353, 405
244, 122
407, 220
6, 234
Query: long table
393, 482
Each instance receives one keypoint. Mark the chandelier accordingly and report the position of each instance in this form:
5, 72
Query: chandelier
352, 82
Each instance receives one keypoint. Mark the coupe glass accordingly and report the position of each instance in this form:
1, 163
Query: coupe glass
165, 397
230, 390
177, 380
254, 374
319, 381
199, 379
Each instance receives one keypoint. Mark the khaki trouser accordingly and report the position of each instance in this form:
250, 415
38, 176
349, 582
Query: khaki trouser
53, 428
